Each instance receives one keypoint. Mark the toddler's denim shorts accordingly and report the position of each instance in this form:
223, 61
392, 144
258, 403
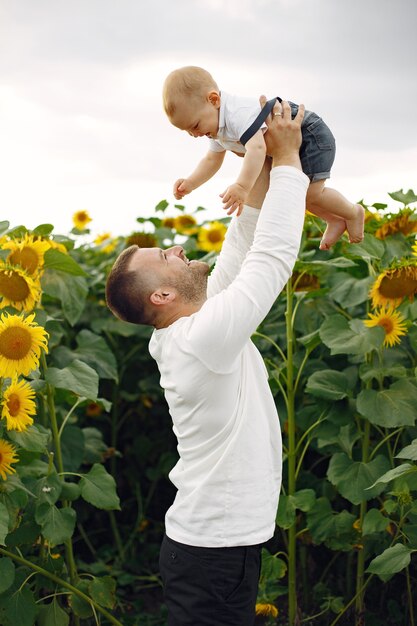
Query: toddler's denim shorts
318, 147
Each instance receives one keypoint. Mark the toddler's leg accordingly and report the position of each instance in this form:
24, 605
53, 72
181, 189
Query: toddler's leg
333, 206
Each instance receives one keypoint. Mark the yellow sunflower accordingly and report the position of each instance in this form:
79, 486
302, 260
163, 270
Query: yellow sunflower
21, 342
267, 609
168, 222
7, 457
17, 288
27, 252
18, 405
56, 245
102, 238
400, 223
395, 284
391, 321
185, 224
143, 240
81, 219
211, 237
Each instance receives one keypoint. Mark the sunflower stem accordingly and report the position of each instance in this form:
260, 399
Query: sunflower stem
69, 551
292, 591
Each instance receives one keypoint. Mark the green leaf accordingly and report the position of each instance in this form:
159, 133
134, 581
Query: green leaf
70, 491
103, 591
43, 230
7, 573
286, 512
328, 384
48, 489
350, 291
20, 609
409, 452
334, 529
80, 607
350, 337
374, 522
356, 481
369, 248
99, 489
94, 351
72, 445
390, 562
4, 226
53, 615
406, 198
396, 406
78, 377
32, 439
4, 523
94, 446
57, 260
401, 470
70, 290
368, 372
161, 206
304, 499
57, 524
272, 567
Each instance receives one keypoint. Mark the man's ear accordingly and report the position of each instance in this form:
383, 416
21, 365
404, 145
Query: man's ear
162, 296
214, 98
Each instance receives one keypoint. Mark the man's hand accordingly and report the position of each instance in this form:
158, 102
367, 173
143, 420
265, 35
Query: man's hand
234, 198
283, 137
182, 187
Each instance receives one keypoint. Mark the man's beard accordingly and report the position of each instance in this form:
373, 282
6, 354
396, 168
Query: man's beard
192, 285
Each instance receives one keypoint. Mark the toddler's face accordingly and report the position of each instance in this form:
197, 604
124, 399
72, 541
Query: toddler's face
198, 118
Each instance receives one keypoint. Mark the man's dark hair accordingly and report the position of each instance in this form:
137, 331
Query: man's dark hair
127, 291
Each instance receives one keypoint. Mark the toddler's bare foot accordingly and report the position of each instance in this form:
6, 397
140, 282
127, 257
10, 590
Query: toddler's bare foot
334, 230
356, 224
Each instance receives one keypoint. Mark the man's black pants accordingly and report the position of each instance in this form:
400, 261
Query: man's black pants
209, 586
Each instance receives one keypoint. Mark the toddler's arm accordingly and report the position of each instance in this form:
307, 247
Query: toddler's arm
207, 167
235, 195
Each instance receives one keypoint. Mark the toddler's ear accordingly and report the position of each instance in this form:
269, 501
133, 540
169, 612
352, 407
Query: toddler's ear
214, 98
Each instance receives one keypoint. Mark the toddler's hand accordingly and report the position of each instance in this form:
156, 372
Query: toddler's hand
234, 198
182, 187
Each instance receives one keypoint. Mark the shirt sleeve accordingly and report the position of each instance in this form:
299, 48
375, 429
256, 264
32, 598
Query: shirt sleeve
238, 240
222, 327
215, 146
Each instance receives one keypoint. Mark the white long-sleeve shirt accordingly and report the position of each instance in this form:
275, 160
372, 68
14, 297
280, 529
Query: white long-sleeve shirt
228, 476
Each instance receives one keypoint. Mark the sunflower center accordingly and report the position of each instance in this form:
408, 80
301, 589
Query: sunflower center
398, 286
386, 324
13, 404
26, 258
13, 286
214, 236
15, 343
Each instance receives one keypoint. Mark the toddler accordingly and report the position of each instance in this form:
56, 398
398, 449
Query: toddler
194, 103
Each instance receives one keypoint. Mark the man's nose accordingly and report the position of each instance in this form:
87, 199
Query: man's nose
177, 250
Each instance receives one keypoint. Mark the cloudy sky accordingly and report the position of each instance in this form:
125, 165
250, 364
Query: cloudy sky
81, 121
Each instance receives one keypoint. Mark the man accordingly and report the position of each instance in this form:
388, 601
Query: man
228, 475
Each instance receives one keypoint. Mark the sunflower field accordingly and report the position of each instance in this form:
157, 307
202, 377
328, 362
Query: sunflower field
86, 442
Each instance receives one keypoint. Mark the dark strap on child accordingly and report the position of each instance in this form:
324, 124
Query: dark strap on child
255, 126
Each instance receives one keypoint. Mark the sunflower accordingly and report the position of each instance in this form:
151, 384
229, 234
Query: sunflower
27, 252
168, 222
143, 240
18, 404
403, 223
391, 321
81, 219
7, 457
305, 281
17, 288
185, 224
394, 284
102, 238
56, 245
21, 342
267, 609
211, 238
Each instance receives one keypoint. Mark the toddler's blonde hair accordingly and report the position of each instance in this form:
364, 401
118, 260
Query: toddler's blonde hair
186, 83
